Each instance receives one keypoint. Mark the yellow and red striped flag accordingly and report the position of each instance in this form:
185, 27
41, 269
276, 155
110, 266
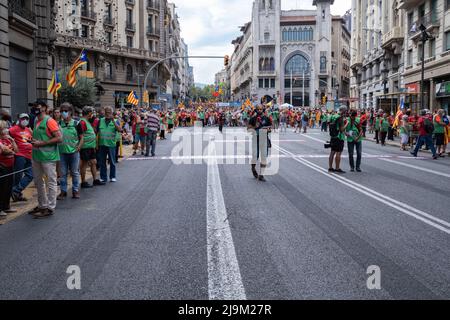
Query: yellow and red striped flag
72, 76
55, 85
133, 98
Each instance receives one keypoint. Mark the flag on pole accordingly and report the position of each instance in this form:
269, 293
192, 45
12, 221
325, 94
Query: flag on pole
133, 98
146, 98
55, 84
71, 76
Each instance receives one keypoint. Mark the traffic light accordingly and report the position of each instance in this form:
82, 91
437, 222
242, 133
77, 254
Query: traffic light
226, 60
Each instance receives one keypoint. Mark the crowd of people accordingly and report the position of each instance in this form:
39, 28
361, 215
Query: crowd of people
47, 145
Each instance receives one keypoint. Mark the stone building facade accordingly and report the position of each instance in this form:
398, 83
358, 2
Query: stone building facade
123, 39
26, 43
287, 55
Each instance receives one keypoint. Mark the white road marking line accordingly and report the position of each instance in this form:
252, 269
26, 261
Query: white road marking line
402, 207
224, 276
418, 168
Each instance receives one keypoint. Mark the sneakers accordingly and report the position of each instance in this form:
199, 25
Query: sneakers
113, 180
44, 213
3, 215
261, 178
75, 195
62, 196
86, 185
99, 183
358, 170
331, 170
339, 171
17, 197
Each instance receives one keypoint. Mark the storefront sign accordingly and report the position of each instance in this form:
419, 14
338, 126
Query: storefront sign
443, 89
412, 88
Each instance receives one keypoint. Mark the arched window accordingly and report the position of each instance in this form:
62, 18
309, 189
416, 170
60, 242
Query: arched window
296, 35
272, 64
297, 64
311, 34
302, 35
129, 72
108, 70
261, 64
290, 35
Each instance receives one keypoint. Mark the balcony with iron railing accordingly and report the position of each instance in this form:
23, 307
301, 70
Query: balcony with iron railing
152, 31
130, 26
153, 5
108, 20
429, 21
395, 34
90, 15
17, 7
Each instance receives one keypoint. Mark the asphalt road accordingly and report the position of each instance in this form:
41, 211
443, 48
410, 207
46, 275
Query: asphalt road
211, 231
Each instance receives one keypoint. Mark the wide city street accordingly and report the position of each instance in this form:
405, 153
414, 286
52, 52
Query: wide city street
194, 227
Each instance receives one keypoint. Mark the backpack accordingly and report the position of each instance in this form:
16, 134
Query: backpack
305, 117
428, 126
334, 128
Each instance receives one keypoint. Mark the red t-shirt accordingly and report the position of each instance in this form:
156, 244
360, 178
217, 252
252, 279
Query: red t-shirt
421, 124
6, 160
22, 137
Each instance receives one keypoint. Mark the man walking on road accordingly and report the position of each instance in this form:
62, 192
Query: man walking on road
426, 129
337, 129
354, 133
153, 126
259, 125
46, 136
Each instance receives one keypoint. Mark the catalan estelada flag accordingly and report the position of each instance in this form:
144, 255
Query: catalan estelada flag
55, 85
72, 75
133, 98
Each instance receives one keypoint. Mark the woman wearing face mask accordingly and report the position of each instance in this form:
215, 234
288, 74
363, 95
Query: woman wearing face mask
22, 135
8, 149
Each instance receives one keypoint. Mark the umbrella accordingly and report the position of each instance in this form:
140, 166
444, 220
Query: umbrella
286, 105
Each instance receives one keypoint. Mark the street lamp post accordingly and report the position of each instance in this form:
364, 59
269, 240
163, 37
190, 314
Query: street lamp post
425, 37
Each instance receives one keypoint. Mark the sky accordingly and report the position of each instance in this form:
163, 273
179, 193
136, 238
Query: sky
209, 26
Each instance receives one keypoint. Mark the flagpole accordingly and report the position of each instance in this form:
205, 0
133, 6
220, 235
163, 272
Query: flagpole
291, 87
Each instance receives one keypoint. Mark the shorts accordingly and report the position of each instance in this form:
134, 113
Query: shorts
337, 145
440, 139
138, 138
88, 154
170, 126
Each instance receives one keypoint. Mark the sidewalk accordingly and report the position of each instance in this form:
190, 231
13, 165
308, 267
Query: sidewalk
31, 193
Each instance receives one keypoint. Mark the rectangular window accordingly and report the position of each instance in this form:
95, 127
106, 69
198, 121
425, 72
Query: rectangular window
150, 45
130, 42
84, 31
447, 41
447, 4
266, 83
109, 37
261, 83
109, 11
409, 58
129, 16
432, 48
272, 83
419, 52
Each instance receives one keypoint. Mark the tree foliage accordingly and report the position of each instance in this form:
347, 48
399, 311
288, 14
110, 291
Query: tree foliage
83, 94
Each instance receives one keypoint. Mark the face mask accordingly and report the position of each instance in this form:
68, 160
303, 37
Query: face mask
37, 111
65, 114
24, 123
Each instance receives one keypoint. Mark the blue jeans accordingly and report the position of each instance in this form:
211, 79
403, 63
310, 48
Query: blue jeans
428, 140
22, 179
70, 161
351, 149
103, 154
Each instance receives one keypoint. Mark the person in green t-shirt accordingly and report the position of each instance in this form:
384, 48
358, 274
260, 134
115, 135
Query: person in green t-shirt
337, 133
384, 128
353, 132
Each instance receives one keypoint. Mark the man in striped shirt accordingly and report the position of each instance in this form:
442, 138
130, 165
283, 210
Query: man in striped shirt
153, 129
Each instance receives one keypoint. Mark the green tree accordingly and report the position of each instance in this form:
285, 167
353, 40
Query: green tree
83, 94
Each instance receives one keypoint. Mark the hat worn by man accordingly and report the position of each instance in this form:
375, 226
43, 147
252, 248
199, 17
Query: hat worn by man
24, 115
